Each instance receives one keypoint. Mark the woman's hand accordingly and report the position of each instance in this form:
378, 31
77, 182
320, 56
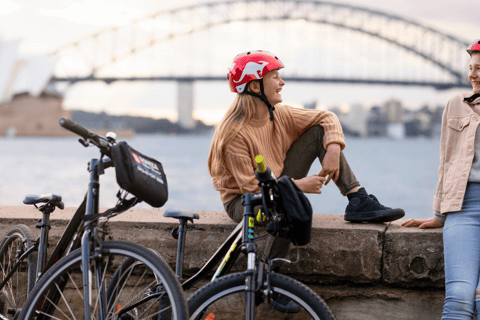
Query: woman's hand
331, 163
311, 184
423, 223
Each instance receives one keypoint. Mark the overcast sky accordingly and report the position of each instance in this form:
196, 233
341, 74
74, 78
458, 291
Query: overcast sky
47, 25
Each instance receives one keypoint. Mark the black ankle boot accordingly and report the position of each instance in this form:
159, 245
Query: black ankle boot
363, 207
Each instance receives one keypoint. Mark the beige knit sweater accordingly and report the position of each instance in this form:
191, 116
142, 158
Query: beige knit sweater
271, 139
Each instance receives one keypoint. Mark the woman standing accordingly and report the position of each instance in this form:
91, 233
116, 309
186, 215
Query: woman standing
456, 202
289, 139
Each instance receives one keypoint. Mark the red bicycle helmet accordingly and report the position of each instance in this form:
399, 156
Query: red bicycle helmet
251, 65
474, 47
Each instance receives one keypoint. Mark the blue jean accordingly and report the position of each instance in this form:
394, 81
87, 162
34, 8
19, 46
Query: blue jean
461, 242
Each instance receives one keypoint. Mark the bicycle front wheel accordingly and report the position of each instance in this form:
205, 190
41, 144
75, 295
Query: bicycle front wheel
60, 294
224, 298
13, 293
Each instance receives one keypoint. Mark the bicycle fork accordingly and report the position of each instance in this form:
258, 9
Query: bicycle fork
249, 200
90, 249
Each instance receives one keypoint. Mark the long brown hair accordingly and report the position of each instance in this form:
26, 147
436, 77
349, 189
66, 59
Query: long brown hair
242, 109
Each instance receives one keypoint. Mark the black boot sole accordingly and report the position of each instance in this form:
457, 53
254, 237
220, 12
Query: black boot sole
375, 216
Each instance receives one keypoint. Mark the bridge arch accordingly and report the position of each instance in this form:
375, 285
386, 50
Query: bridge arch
107, 47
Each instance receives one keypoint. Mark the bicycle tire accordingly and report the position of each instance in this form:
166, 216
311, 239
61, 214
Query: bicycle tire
14, 293
224, 298
71, 305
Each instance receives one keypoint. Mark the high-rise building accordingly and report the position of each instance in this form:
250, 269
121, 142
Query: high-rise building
394, 110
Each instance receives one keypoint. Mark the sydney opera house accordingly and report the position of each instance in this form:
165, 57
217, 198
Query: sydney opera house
27, 107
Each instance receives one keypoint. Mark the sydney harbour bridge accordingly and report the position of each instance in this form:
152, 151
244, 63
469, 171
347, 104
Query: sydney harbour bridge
318, 41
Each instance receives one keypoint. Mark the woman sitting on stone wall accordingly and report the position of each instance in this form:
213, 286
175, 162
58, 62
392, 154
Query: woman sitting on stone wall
289, 139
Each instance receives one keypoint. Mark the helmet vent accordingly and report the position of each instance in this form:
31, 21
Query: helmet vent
248, 52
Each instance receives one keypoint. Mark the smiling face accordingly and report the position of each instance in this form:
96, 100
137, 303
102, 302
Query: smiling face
273, 84
474, 73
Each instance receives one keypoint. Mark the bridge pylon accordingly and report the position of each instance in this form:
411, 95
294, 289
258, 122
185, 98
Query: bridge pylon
185, 104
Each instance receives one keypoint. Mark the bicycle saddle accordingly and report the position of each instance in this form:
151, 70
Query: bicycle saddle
180, 214
52, 198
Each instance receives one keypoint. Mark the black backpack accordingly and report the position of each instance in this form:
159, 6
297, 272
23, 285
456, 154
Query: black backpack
296, 208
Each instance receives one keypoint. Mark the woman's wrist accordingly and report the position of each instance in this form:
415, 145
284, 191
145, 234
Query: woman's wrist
334, 147
437, 215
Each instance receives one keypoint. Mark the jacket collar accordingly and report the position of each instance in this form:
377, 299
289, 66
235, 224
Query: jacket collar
471, 98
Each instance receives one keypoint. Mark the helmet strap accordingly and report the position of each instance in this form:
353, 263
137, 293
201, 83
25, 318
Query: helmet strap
262, 97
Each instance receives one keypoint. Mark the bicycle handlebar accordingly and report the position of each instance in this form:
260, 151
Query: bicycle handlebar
261, 166
97, 140
75, 128
263, 173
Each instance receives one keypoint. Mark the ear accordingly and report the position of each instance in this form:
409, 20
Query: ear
254, 86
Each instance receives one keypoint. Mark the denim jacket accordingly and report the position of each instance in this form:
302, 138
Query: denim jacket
459, 127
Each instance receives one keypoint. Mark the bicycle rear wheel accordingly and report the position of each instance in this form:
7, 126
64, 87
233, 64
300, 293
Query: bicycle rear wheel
14, 292
224, 298
59, 294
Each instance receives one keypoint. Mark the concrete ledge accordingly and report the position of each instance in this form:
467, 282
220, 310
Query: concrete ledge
363, 271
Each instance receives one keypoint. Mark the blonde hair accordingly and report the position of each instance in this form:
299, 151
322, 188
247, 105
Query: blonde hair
242, 109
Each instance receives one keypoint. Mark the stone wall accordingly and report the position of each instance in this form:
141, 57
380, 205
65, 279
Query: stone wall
363, 271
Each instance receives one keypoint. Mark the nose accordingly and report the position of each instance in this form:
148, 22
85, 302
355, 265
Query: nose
282, 83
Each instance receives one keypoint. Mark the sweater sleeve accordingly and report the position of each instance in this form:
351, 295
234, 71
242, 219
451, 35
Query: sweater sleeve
304, 119
239, 164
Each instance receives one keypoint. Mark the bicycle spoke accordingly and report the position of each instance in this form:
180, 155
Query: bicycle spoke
66, 303
140, 294
76, 287
156, 313
99, 290
116, 291
50, 316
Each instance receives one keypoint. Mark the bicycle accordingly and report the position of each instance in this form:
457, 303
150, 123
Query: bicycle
265, 289
258, 292
75, 286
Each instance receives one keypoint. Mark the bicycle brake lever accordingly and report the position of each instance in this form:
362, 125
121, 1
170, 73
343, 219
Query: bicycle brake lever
84, 142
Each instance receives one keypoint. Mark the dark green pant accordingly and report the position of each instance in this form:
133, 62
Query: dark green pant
298, 161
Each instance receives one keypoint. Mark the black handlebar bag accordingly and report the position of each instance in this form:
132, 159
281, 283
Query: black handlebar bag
297, 210
140, 175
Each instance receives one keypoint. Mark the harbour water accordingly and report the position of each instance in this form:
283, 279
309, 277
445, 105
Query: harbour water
399, 173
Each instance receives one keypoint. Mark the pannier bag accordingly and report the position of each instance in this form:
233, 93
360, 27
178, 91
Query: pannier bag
140, 175
297, 210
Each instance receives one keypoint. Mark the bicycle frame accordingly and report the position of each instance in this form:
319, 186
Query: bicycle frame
228, 251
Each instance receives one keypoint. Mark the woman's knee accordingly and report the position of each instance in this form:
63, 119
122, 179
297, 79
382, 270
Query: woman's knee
316, 131
460, 299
